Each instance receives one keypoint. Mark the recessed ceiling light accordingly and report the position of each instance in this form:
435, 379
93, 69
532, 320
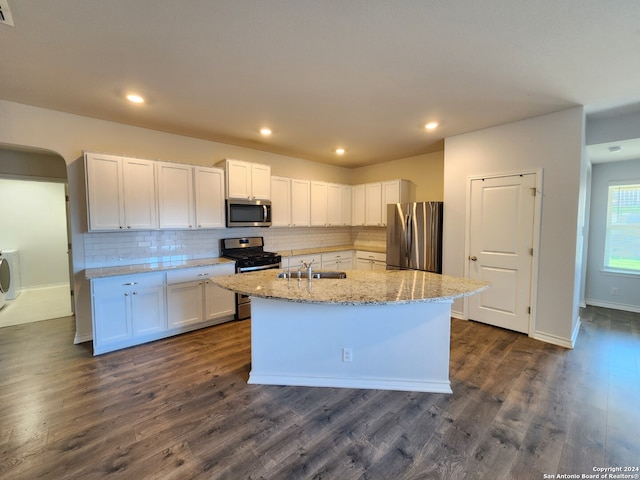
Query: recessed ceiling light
134, 98
265, 131
340, 151
615, 148
431, 125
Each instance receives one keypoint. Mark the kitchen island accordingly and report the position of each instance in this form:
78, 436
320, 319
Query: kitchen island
373, 329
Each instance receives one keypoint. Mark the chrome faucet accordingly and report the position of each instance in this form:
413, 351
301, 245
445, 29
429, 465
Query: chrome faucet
308, 267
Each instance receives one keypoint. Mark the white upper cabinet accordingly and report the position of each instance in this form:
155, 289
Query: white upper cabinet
175, 196
248, 180
334, 205
319, 195
280, 201
190, 197
238, 179
120, 193
303, 203
346, 204
261, 181
328, 204
370, 200
209, 197
357, 205
395, 191
373, 204
300, 203
137, 194
105, 192
140, 197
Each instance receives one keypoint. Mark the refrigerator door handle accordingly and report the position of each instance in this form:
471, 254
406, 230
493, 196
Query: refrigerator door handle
408, 240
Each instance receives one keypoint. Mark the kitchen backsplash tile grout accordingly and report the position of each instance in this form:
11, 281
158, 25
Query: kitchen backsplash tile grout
110, 249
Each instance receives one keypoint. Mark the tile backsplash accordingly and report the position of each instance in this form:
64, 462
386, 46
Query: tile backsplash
129, 248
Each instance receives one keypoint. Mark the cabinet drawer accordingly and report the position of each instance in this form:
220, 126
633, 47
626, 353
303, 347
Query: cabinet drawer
295, 261
199, 273
124, 282
189, 274
375, 256
335, 256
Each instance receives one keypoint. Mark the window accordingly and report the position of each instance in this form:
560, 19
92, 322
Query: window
622, 246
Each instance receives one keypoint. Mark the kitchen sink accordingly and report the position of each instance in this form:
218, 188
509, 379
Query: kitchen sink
318, 274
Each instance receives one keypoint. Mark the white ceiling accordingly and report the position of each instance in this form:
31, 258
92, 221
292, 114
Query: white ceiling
363, 74
614, 151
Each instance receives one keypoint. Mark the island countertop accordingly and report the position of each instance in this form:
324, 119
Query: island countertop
359, 288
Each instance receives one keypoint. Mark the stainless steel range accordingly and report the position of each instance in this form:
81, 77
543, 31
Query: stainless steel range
249, 254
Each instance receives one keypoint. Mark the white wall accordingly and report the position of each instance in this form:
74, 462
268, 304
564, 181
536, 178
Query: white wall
425, 171
34, 222
612, 128
599, 283
553, 143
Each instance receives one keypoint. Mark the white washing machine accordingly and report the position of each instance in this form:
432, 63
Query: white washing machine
5, 279
15, 285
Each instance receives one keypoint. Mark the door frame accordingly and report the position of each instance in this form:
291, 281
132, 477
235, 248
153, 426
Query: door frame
537, 220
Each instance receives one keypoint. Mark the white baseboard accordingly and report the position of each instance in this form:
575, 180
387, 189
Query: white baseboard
576, 331
555, 340
458, 315
614, 306
81, 338
347, 382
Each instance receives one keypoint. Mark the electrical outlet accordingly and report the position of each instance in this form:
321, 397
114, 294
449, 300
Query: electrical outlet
614, 291
347, 354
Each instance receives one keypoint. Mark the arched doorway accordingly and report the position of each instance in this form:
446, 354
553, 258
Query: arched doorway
34, 212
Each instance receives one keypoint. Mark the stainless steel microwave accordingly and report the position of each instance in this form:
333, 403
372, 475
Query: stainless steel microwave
248, 213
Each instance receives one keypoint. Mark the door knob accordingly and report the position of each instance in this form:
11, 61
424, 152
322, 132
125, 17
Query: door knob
473, 258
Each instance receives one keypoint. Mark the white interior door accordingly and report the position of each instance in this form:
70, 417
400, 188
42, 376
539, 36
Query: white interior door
501, 249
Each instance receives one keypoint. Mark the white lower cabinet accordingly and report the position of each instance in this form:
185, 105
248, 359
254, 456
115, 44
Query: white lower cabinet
193, 300
127, 310
371, 261
219, 304
185, 302
338, 260
296, 262
133, 309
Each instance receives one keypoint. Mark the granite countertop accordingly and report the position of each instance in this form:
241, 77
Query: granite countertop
359, 288
339, 248
158, 266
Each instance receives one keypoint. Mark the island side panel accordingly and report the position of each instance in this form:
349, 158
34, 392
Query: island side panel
394, 346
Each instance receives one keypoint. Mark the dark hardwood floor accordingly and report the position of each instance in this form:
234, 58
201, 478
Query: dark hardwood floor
181, 409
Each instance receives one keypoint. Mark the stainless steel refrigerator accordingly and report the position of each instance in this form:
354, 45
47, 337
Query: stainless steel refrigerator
414, 236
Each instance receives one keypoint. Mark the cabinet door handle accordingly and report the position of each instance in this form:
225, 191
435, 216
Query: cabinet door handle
130, 283
135, 293
473, 258
203, 274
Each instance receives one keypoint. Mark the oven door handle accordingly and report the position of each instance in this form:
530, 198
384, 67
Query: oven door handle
258, 267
